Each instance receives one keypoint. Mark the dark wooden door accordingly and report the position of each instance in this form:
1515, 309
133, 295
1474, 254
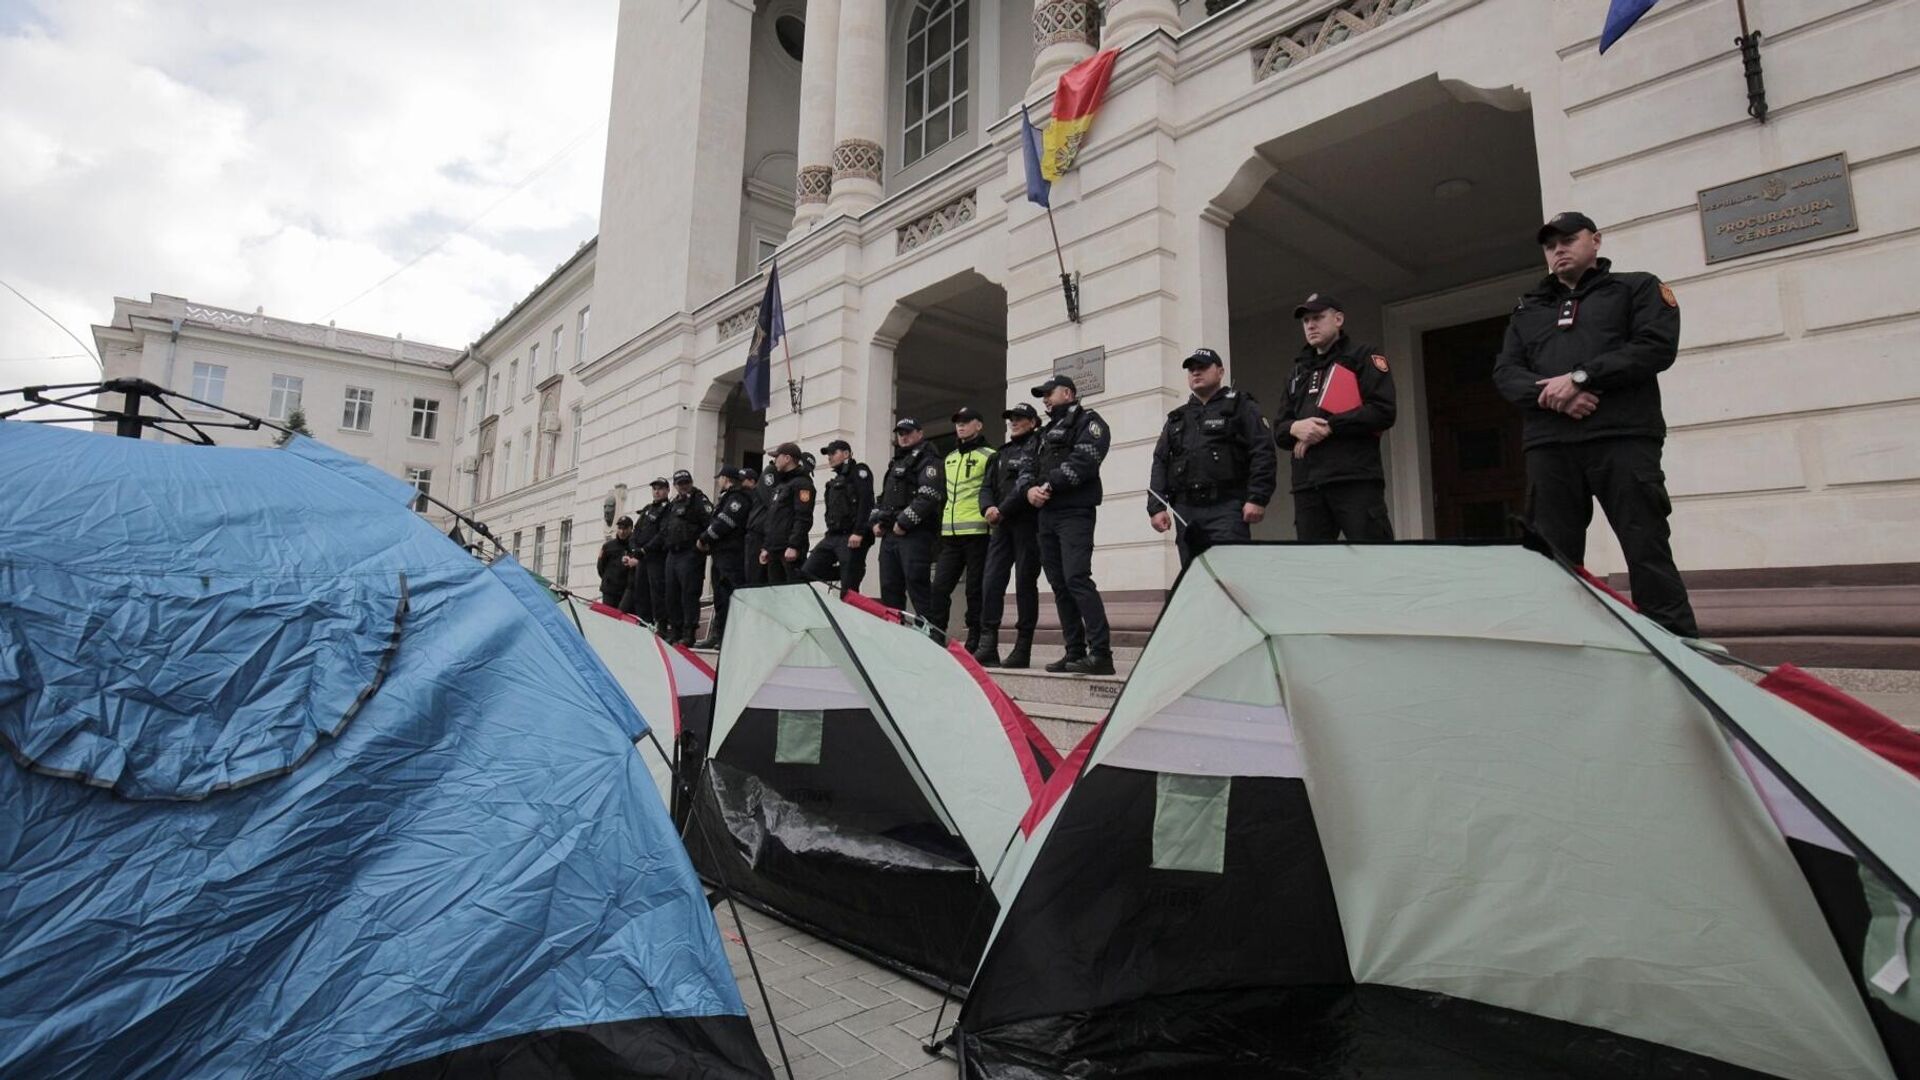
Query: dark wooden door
1479, 476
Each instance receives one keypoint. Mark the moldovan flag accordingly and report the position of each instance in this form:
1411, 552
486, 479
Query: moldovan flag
1078, 97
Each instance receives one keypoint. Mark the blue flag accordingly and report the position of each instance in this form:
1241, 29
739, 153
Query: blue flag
1621, 15
1039, 189
767, 331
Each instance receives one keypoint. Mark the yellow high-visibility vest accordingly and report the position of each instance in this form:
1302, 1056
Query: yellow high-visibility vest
966, 471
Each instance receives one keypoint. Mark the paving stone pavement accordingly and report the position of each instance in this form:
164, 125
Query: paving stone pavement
839, 1015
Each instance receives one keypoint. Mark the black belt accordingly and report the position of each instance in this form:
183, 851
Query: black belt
1205, 493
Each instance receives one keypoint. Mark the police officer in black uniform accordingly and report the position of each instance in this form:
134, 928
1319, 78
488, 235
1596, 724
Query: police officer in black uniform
1582, 358
1214, 461
757, 489
1339, 485
1013, 550
842, 552
646, 560
612, 565
789, 516
1064, 485
908, 518
726, 540
686, 518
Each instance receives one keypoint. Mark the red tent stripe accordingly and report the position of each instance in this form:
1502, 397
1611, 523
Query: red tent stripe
1063, 778
1863, 724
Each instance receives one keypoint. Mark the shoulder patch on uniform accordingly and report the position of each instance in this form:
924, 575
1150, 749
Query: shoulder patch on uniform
864, 474
1379, 361
1095, 428
1666, 293
806, 495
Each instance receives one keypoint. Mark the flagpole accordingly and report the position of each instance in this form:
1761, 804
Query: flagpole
793, 389
1067, 287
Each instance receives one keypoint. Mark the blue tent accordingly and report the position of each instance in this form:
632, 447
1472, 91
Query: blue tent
300, 788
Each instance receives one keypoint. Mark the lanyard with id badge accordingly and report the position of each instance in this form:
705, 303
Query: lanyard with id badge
1569, 308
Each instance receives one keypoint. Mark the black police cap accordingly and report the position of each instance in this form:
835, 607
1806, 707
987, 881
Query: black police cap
1316, 302
1565, 223
837, 444
1022, 411
1053, 384
1202, 358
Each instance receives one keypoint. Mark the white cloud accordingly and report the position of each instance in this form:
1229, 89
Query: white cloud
289, 156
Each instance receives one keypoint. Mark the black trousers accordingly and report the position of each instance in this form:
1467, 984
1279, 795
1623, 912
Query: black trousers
957, 555
1564, 479
1066, 554
750, 559
683, 590
1207, 524
1356, 509
1013, 552
647, 589
906, 570
780, 571
729, 573
833, 559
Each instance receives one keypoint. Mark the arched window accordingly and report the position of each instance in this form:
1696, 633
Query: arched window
937, 72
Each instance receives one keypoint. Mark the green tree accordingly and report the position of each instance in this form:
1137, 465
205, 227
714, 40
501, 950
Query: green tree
296, 421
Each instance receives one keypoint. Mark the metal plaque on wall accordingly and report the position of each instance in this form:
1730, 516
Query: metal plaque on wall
1779, 209
1087, 368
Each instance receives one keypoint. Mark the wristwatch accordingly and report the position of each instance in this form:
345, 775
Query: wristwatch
1580, 377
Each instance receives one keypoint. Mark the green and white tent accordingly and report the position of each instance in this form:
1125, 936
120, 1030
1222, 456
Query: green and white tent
1399, 810
863, 780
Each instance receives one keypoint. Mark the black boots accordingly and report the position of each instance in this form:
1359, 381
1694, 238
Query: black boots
986, 651
1066, 662
973, 640
1100, 663
711, 641
1020, 656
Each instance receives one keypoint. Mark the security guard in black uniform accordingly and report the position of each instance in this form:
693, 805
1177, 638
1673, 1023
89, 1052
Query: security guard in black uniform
1013, 550
726, 540
612, 565
687, 517
758, 489
789, 516
1214, 461
1339, 486
1064, 485
646, 560
1582, 357
908, 518
849, 511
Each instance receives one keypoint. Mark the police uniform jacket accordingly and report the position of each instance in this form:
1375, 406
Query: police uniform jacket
1352, 451
1622, 329
790, 512
914, 490
1001, 488
728, 529
966, 473
613, 572
686, 518
849, 499
1211, 451
1072, 446
646, 529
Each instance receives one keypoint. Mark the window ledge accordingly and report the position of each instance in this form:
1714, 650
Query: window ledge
355, 431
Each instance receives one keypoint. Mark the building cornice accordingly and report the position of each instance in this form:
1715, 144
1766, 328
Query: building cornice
248, 345
540, 302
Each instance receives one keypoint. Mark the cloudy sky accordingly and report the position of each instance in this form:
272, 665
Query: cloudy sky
267, 152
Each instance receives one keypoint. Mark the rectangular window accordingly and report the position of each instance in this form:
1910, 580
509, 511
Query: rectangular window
1190, 822
210, 382
286, 396
513, 378
493, 393
580, 339
460, 425
533, 367
576, 436
797, 736
426, 418
526, 466
539, 547
516, 543
506, 467
565, 552
558, 334
422, 481
767, 249
358, 413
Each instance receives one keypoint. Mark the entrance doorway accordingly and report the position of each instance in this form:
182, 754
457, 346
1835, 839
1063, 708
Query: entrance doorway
1479, 476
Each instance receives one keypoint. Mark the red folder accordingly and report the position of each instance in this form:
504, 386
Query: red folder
1341, 394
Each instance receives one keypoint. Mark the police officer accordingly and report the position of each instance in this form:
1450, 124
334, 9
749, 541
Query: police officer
1339, 485
1214, 461
1013, 547
789, 516
726, 540
1582, 357
963, 527
646, 560
907, 518
612, 564
757, 489
686, 518
1064, 485
849, 508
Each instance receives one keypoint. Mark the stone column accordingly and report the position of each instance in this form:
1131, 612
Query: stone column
815, 147
1128, 20
1063, 35
859, 107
